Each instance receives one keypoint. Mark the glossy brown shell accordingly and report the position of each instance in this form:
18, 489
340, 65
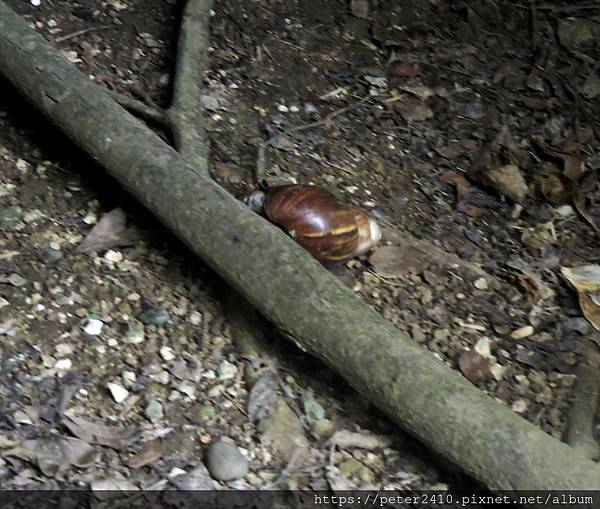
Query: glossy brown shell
329, 229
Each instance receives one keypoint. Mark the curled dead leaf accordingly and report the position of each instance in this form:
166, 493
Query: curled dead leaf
586, 281
474, 366
396, 261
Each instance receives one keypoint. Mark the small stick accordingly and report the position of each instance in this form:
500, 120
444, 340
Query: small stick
78, 33
140, 108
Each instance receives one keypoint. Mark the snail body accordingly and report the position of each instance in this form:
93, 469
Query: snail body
327, 228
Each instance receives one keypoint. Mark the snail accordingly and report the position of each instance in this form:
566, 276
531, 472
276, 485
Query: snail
327, 228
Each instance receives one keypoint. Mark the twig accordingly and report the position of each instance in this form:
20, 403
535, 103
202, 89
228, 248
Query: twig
261, 157
569, 8
533, 25
580, 432
78, 33
139, 108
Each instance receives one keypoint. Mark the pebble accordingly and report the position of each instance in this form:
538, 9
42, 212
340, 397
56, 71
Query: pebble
129, 378
196, 480
417, 334
227, 370
519, 406
118, 392
154, 316
481, 284
92, 326
32, 215
498, 371
154, 411
64, 349
166, 352
482, 347
195, 318
113, 256
17, 280
90, 218
63, 364
135, 334
522, 332
49, 255
225, 462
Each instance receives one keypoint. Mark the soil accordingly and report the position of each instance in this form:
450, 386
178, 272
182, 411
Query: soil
443, 79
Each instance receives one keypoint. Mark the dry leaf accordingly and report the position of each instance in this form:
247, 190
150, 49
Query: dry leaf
413, 110
92, 433
474, 366
262, 397
151, 451
56, 455
360, 8
109, 232
401, 70
498, 165
459, 181
396, 261
586, 281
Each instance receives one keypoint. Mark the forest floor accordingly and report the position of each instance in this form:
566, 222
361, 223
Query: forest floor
480, 138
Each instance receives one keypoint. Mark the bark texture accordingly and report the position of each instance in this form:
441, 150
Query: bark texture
287, 286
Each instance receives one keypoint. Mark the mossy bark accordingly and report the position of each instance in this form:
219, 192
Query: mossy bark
419, 392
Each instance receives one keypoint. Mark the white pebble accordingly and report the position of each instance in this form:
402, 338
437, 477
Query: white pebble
63, 364
519, 406
167, 353
129, 378
195, 318
522, 332
90, 218
93, 327
113, 256
481, 284
482, 347
227, 370
118, 392
36, 3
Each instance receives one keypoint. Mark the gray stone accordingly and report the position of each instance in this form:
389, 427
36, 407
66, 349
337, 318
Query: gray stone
225, 462
154, 316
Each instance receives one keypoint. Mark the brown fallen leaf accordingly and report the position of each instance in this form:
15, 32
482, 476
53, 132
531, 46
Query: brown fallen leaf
99, 434
586, 198
151, 451
498, 165
110, 231
54, 456
508, 181
586, 281
474, 366
360, 8
530, 288
413, 110
554, 188
401, 70
396, 261
459, 181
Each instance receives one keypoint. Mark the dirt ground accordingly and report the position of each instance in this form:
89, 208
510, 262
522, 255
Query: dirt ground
480, 138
